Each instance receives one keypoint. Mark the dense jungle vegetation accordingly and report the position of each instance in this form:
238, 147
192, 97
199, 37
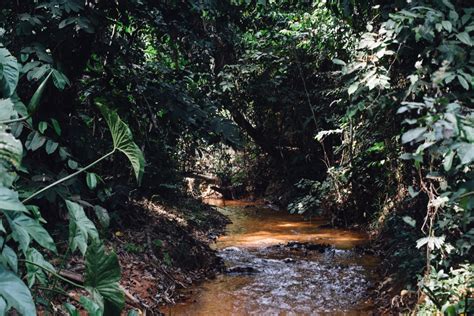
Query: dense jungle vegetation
358, 111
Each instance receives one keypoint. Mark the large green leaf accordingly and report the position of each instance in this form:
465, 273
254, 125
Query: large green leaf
71, 309
466, 153
60, 80
16, 293
35, 141
8, 257
465, 38
9, 201
92, 308
35, 273
6, 109
11, 152
36, 98
25, 228
102, 215
102, 278
81, 228
413, 134
123, 140
3, 306
91, 180
9, 74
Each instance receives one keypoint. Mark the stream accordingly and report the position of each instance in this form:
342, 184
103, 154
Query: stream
282, 264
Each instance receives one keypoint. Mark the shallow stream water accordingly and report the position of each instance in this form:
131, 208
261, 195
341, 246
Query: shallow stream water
275, 267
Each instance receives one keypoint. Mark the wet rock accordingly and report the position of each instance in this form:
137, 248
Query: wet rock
307, 246
242, 270
231, 249
272, 207
295, 245
318, 247
278, 247
364, 250
269, 204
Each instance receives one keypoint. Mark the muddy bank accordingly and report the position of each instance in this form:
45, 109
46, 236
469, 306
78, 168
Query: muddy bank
164, 248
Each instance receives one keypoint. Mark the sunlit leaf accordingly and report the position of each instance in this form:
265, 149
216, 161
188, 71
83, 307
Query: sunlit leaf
413, 134
463, 82
91, 180
432, 242
410, 221
448, 160
465, 38
338, 62
447, 26
353, 88
11, 150
123, 140
9, 73
466, 153
6, 109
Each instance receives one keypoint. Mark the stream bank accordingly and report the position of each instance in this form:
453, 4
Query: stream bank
164, 247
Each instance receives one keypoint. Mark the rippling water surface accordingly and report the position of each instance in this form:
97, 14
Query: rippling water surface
272, 272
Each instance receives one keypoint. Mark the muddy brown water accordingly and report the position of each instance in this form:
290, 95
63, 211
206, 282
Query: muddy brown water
281, 280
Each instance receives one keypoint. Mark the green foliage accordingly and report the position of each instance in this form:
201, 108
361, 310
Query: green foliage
450, 292
122, 140
25, 223
133, 248
9, 201
36, 98
310, 202
24, 229
11, 152
35, 272
102, 279
102, 216
91, 180
92, 307
15, 294
9, 73
420, 61
82, 230
184, 75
